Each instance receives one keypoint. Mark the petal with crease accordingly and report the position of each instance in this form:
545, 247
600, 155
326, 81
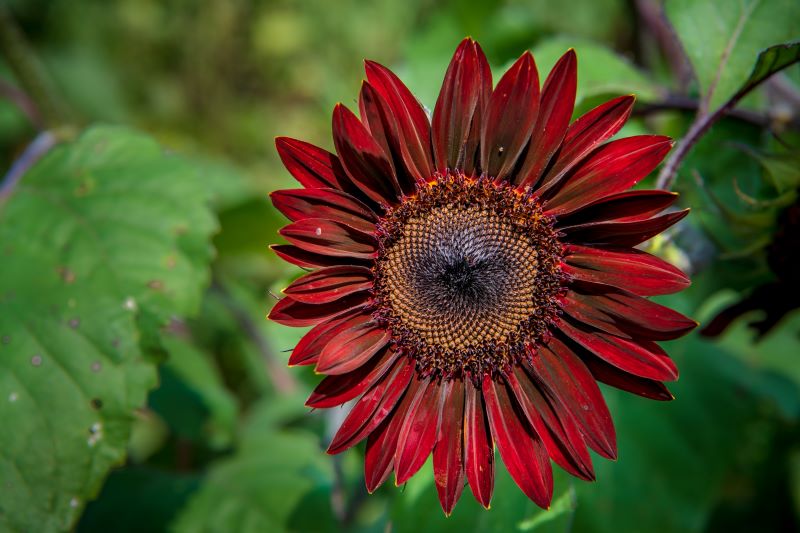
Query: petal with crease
520, 447
373, 407
298, 204
352, 348
478, 447
555, 112
566, 379
510, 117
612, 168
328, 237
455, 107
363, 158
414, 130
419, 430
328, 284
448, 453
627, 268
338, 389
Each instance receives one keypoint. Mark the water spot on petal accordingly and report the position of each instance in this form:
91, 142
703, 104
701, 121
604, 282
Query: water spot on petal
318, 231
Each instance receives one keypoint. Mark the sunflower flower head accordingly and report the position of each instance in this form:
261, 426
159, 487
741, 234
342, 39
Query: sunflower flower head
474, 275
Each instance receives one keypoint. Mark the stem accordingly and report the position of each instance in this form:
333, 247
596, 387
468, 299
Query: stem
40, 146
681, 103
29, 71
699, 127
282, 380
23, 102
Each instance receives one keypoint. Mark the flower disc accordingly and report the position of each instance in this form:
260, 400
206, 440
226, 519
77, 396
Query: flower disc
468, 275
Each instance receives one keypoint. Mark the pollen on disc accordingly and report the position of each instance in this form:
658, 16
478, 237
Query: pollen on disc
468, 275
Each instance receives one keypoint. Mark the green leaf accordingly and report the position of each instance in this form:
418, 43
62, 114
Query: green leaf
258, 488
723, 40
198, 373
601, 71
770, 61
99, 230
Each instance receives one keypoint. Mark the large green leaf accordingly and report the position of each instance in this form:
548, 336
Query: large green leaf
101, 231
723, 40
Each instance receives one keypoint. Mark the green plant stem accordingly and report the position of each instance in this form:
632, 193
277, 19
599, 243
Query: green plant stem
30, 73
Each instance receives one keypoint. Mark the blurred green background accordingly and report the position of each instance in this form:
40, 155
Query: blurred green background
217, 438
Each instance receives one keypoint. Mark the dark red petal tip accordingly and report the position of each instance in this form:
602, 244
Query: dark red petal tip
510, 117
456, 106
363, 158
413, 130
555, 112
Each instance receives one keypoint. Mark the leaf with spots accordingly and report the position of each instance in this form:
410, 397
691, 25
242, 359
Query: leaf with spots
100, 231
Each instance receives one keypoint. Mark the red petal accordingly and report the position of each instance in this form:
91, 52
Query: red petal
586, 133
377, 116
328, 237
566, 380
448, 453
628, 206
352, 348
372, 408
614, 167
647, 388
290, 312
626, 315
418, 433
298, 204
312, 166
310, 346
555, 112
336, 390
472, 148
641, 358
631, 269
455, 107
414, 130
478, 448
560, 434
329, 284
510, 117
622, 233
374, 116
382, 443
302, 258
520, 447
363, 158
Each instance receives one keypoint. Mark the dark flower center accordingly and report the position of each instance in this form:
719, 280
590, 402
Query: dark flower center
468, 274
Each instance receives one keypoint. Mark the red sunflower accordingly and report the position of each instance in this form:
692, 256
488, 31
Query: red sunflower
474, 275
